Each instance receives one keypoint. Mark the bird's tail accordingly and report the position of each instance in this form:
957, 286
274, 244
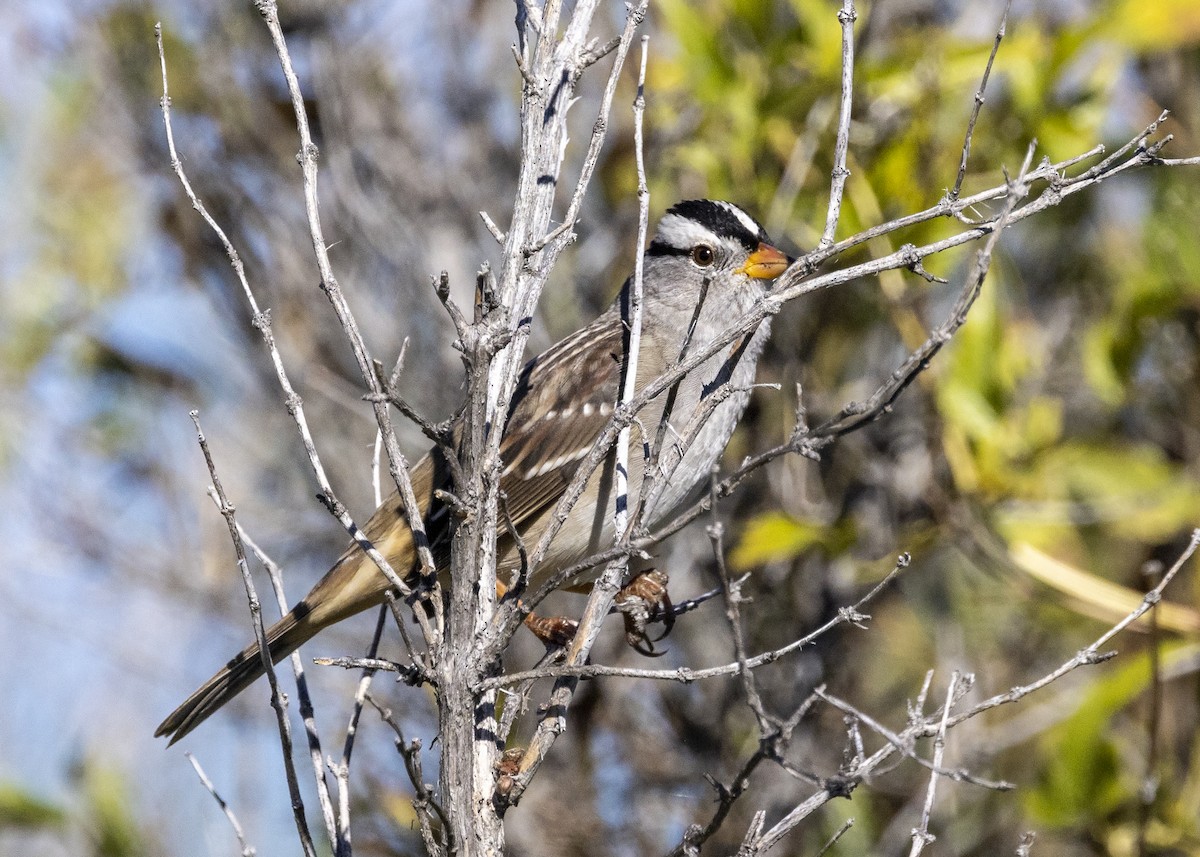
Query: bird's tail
283, 638
351, 586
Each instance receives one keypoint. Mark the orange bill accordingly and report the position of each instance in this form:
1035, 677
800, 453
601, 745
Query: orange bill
765, 263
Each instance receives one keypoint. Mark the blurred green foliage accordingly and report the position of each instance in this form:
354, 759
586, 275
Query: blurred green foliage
100, 823
1064, 414
111, 825
19, 808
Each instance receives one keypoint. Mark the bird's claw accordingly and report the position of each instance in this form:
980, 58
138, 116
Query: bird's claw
641, 601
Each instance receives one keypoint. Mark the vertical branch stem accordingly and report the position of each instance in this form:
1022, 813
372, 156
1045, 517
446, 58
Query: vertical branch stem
966, 148
634, 319
920, 835
605, 587
495, 347
846, 16
342, 771
277, 698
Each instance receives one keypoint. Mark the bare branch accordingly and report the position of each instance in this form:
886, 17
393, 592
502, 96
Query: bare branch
633, 18
247, 850
849, 822
770, 746
1150, 779
342, 769
605, 587
921, 835
495, 231
752, 833
966, 148
851, 615
634, 321
846, 17
278, 699
424, 804
733, 614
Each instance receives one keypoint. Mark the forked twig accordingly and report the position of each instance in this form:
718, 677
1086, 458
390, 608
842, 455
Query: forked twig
966, 148
924, 727
278, 699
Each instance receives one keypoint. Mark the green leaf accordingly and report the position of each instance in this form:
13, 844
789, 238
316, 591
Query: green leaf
1085, 778
1156, 26
777, 536
19, 808
114, 830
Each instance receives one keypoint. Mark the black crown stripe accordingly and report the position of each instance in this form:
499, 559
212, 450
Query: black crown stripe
719, 220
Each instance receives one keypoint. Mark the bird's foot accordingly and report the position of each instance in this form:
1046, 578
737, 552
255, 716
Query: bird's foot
641, 601
555, 632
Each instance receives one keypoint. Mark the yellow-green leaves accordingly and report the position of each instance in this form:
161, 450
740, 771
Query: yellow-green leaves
776, 536
1156, 26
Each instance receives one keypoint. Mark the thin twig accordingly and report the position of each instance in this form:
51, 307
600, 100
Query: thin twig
846, 17
921, 835
686, 675
841, 831
342, 769
770, 747
425, 806
247, 850
747, 849
495, 231
733, 614
278, 700
633, 322
966, 148
517, 698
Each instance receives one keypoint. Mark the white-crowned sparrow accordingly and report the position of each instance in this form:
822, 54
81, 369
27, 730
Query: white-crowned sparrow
708, 263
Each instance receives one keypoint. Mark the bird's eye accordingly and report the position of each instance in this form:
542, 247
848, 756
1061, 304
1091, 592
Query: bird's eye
702, 255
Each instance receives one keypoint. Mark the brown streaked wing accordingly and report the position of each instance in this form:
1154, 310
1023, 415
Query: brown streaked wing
549, 431
427, 475
551, 427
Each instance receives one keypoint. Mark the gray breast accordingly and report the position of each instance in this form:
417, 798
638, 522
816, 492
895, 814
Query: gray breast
701, 424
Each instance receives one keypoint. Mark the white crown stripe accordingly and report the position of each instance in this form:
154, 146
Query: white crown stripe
676, 230
749, 222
